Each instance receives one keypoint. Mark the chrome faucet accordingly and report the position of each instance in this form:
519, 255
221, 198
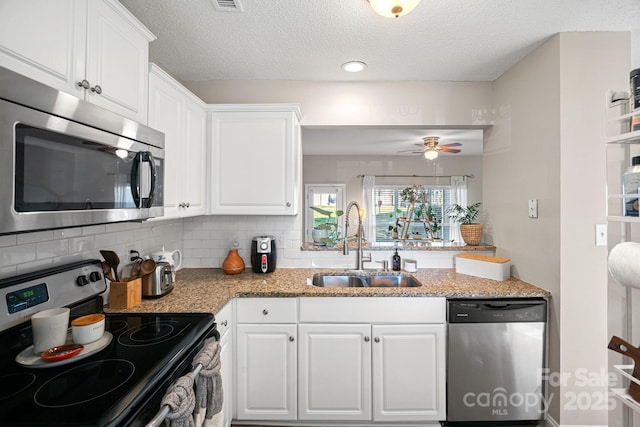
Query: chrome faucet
360, 259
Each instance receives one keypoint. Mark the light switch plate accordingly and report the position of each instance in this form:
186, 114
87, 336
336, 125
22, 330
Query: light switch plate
601, 234
533, 208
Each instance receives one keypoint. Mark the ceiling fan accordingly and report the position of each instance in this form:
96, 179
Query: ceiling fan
430, 148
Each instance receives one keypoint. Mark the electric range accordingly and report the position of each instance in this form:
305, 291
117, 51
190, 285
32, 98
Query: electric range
120, 384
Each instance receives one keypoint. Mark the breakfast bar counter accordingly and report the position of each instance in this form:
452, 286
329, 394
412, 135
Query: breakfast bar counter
209, 289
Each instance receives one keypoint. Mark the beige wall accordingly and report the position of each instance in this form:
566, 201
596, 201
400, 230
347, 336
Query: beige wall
345, 169
362, 103
547, 144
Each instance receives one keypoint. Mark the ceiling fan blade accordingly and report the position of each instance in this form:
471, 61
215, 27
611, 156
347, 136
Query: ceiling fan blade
451, 144
410, 151
449, 150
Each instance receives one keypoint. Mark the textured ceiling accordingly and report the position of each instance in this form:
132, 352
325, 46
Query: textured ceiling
460, 40
446, 40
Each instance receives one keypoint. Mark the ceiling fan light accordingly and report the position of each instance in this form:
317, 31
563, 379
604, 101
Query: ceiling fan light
430, 154
393, 8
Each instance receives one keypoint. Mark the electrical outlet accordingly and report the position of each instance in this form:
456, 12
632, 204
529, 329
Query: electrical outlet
533, 208
601, 234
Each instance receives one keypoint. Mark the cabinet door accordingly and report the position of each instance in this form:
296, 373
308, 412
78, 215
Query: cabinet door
226, 370
194, 152
334, 372
117, 61
266, 372
42, 39
255, 158
409, 372
166, 107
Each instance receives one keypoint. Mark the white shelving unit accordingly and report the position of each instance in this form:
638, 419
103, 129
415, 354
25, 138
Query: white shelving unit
620, 148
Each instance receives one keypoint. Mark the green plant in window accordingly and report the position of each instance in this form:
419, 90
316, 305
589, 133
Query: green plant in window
330, 224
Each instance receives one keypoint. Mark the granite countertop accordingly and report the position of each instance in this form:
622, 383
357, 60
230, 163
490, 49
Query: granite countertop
207, 290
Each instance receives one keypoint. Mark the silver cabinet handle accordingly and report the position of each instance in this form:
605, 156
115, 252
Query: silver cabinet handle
288, 204
224, 323
188, 204
292, 339
184, 205
265, 311
366, 339
84, 84
376, 339
97, 89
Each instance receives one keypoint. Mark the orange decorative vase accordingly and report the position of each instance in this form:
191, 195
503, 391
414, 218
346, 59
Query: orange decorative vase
233, 263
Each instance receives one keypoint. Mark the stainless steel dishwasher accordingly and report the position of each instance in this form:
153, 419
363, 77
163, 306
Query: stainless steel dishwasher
495, 354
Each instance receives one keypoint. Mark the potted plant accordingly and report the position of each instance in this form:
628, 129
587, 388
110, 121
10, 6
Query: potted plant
326, 233
470, 230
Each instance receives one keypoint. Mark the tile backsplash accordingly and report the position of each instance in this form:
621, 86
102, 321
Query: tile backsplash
205, 242
25, 252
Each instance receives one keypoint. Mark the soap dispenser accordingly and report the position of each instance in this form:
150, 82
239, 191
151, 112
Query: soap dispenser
395, 261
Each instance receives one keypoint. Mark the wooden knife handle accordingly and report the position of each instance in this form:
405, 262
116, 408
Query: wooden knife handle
619, 345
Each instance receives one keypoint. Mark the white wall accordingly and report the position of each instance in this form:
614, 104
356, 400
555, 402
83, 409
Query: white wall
548, 144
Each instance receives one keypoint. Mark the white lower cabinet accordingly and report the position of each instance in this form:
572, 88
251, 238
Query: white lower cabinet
266, 359
266, 372
334, 372
377, 361
408, 372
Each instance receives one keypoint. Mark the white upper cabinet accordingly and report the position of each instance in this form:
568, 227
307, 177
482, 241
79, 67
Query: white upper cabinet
93, 49
255, 159
180, 115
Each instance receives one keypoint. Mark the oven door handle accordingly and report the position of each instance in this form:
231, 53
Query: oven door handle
164, 411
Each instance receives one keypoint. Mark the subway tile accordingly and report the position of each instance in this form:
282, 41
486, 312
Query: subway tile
17, 254
67, 233
8, 240
52, 249
38, 236
93, 229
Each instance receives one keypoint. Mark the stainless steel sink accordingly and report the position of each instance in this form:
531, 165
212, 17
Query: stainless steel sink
328, 281
365, 280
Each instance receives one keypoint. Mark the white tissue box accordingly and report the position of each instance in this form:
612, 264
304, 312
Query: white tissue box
487, 266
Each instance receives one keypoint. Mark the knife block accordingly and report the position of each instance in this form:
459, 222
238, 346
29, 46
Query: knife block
125, 294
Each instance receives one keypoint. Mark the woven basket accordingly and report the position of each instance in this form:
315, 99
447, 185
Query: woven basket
471, 233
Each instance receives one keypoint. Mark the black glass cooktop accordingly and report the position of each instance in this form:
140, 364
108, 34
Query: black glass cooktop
106, 388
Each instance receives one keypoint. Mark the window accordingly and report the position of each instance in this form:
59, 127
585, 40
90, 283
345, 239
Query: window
322, 202
389, 206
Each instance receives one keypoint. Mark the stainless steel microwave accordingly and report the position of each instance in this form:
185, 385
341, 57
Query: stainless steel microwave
65, 162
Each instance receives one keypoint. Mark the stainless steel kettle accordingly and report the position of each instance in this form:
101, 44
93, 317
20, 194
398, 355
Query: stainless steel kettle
160, 282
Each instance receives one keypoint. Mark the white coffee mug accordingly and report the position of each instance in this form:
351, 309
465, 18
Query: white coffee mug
49, 328
174, 258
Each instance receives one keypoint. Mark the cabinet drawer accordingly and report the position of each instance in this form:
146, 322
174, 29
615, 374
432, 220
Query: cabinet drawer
373, 310
224, 318
267, 310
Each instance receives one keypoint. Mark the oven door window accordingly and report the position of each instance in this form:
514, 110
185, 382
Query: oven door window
56, 172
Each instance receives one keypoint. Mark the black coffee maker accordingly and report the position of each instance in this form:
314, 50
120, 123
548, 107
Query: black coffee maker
263, 254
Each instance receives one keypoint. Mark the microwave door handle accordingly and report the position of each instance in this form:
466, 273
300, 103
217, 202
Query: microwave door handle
152, 171
135, 180
143, 179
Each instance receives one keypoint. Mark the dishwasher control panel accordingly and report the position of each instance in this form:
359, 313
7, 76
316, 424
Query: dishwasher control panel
496, 310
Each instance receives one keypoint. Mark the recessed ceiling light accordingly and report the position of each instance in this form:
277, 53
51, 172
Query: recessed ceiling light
354, 66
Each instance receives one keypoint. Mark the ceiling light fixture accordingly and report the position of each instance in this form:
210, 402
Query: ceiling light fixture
393, 8
354, 66
430, 154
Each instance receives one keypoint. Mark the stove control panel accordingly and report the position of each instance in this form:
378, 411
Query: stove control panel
24, 295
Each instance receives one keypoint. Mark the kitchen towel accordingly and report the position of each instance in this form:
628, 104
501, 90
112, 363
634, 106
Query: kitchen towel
181, 401
209, 393
624, 264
